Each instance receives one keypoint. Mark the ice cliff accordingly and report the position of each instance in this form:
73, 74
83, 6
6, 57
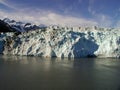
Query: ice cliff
56, 41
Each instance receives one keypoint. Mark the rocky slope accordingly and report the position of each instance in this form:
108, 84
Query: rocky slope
5, 27
56, 41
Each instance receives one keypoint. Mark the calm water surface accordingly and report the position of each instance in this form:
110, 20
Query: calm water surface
35, 73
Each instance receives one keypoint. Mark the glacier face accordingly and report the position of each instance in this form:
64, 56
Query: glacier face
62, 42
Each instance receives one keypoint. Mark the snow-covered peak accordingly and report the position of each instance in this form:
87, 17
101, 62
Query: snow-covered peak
7, 20
22, 26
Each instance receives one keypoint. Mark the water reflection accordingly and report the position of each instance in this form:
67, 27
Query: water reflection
55, 73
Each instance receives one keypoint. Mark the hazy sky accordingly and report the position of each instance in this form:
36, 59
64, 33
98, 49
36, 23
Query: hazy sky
105, 13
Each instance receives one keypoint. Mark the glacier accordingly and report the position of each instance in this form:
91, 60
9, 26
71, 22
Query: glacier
58, 41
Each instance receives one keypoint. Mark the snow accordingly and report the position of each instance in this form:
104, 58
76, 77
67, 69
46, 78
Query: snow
57, 41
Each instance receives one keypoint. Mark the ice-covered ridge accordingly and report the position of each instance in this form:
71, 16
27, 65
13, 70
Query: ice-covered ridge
56, 41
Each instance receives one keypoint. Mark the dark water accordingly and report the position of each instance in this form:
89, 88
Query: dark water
35, 73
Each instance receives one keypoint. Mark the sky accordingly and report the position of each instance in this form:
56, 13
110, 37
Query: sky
103, 13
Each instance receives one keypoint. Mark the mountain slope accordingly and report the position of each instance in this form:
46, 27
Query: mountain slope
22, 26
4, 27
